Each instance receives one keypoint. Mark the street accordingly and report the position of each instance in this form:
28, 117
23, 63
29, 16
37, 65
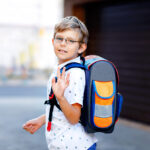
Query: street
16, 110
13, 114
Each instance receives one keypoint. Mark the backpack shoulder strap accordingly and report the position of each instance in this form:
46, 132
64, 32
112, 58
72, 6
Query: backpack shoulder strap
73, 65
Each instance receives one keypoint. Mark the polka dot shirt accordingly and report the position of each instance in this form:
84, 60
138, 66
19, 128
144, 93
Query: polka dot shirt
63, 135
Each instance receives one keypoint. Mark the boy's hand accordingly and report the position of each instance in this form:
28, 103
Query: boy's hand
33, 125
61, 84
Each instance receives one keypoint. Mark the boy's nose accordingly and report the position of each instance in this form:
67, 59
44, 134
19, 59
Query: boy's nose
64, 42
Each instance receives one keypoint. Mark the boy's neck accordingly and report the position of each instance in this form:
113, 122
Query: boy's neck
75, 59
62, 62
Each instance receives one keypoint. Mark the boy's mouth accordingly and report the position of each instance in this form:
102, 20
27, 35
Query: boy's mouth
62, 51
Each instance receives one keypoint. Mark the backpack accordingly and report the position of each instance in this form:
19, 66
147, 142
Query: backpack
102, 103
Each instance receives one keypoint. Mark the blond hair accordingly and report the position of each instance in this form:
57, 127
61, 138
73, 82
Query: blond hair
72, 22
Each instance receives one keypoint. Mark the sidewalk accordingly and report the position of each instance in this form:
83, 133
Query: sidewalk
127, 135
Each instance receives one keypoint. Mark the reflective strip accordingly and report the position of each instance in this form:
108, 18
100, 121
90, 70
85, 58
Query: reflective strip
103, 111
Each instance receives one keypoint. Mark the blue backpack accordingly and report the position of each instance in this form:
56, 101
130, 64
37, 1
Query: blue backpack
102, 103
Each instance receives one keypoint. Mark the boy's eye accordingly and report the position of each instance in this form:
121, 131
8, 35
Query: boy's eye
71, 41
59, 39
68, 41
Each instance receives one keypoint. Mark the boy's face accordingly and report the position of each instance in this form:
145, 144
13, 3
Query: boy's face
67, 45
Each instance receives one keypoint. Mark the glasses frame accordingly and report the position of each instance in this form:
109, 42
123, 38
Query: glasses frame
67, 41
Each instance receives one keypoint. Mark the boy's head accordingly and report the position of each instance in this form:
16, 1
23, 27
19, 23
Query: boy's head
70, 39
72, 22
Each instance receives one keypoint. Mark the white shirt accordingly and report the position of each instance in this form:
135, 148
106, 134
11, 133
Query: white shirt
63, 135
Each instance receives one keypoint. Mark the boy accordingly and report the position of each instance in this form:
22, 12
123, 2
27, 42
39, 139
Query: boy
69, 42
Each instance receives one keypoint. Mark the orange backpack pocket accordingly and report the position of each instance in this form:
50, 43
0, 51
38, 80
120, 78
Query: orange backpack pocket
102, 103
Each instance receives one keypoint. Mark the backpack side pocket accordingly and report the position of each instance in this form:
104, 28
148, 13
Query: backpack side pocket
119, 105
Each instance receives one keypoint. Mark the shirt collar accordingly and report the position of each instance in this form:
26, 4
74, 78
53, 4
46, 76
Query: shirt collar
77, 60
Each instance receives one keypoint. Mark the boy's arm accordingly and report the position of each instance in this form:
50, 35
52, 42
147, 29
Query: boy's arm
33, 125
71, 112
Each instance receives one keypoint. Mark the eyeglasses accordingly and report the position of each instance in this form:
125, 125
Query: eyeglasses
68, 41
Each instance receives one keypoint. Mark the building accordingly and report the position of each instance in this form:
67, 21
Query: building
120, 32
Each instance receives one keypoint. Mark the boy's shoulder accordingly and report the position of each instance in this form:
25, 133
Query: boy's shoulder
76, 72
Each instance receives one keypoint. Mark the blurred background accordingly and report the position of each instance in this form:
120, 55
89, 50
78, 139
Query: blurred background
119, 31
26, 30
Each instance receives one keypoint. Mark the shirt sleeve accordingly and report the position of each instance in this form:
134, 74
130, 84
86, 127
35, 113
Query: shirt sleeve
75, 91
49, 85
48, 89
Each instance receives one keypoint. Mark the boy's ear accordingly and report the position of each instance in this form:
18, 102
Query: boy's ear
53, 41
82, 48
